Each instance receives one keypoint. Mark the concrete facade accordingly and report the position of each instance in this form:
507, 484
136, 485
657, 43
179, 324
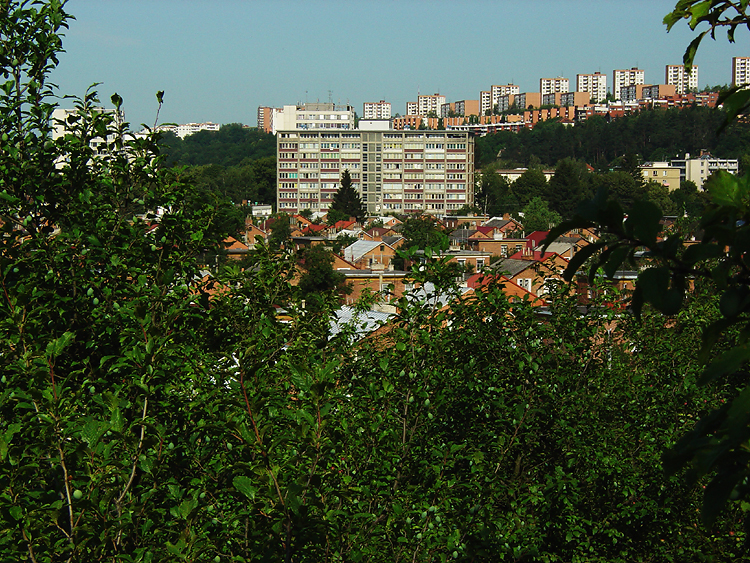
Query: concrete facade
594, 84
740, 71
682, 80
313, 116
627, 77
376, 110
394, 171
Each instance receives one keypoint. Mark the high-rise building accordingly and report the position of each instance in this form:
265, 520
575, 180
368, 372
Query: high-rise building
595, 84
313, 116
411, 108
553, 85
740, 71
628, 77
377, 110
682, 80
265, 118
498, 91
485, 102
394, 171
429, 104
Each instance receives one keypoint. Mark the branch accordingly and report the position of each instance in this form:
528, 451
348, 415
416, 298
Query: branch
135, 460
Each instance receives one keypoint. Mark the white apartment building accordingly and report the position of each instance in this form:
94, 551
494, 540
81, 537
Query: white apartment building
485, 102
313, 116
682, 80
498, 91
429, 104
740, 71
699, 169
377, 110
595, 84
411, 108
553, 85
629, 77
394, 171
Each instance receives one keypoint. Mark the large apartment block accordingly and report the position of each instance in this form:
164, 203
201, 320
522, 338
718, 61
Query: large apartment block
740, 71
485, 102
394, 171
313, 116
628, 77
499, 90
377, 110
595, 84
682, 80
429, 104
553, 85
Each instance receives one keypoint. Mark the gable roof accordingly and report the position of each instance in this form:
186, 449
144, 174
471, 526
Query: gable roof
358, 249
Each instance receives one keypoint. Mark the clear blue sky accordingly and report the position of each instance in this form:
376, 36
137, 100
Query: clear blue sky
219, 60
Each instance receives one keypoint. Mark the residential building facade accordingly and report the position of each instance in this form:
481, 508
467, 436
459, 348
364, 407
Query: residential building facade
485, 102
627, 77
699, 169
394, 171
740, 71
499, 90
594, 84
313, 116
429, 104
376, 110
682, 80
553, 85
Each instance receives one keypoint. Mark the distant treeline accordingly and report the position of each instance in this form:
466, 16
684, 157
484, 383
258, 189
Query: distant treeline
652, 135
236, 162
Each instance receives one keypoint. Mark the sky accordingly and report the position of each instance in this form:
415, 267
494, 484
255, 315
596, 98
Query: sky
219, 60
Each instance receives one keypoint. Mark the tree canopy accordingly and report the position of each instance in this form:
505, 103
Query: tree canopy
346, 202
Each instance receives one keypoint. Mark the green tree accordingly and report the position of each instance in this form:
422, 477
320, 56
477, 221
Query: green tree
569, 187
281, 232
532, 183
346, 202
318, 276
537, 216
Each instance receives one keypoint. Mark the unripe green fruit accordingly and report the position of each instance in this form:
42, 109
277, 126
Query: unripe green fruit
170, 446
214, 521
424, 515
402, 374
77, 494
217, 559
429, 415
16, 270
411, 399
92, 389
427, 402
437, 519
4, 379
90, 291
202, 495
5, 137
153, 248
419, 536
95, 301
229, 445
431, 526
408, 520
455, 555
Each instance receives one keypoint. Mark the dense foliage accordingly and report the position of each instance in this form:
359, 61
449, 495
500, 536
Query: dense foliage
235, 163
654, 135
149, 413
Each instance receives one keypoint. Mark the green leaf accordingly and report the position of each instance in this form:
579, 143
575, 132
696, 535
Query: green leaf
246, 486
644, 222
580, 258
728, 362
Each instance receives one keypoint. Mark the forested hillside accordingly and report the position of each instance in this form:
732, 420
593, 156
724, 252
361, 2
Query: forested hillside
237, 163
652, 135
